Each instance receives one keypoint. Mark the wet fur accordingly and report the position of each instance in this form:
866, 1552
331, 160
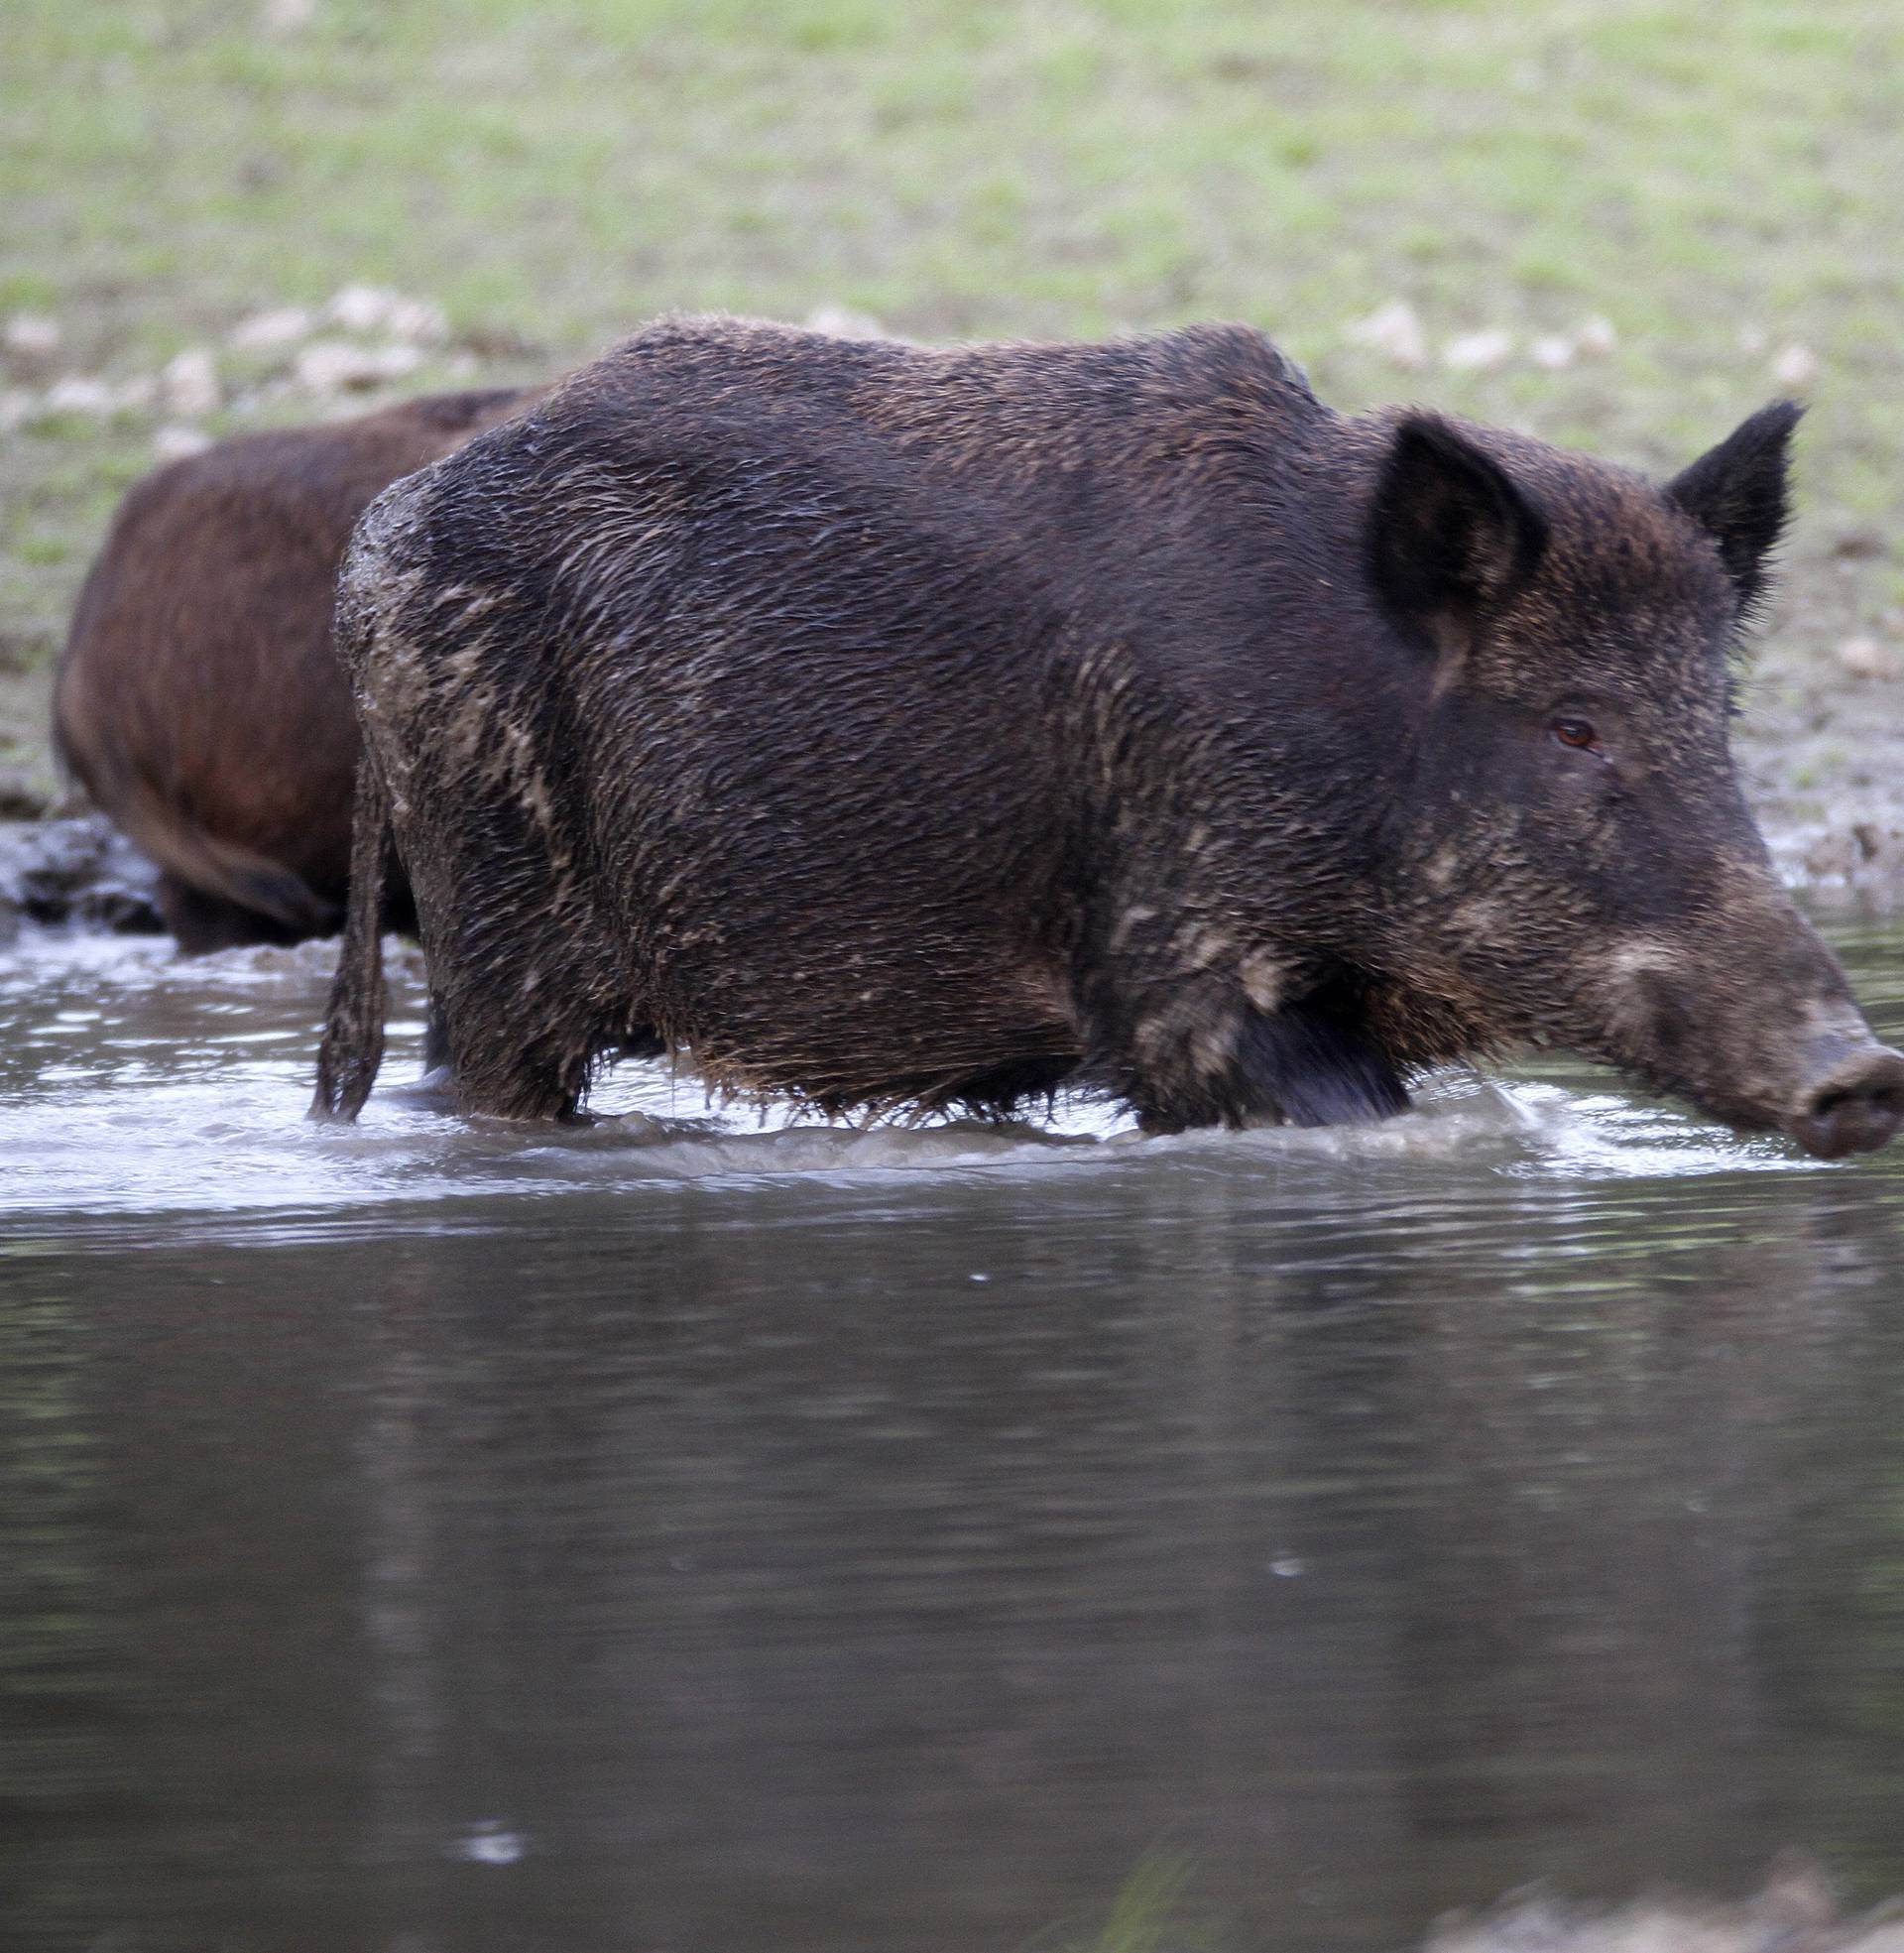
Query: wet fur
902, 728
198, 700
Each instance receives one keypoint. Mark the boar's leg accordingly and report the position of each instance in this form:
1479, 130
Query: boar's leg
523, 998
1311, 1062
435, 1037
639, 1042
544, 1078
353, 1042
512, 1015
201, 921
1316, 1063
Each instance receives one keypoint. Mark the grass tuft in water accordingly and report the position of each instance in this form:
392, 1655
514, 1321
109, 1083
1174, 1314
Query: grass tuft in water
1152, 1912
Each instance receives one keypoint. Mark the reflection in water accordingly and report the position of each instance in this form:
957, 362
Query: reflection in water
443, 1538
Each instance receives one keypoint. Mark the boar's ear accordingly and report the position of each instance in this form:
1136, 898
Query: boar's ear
1736, 495
1450, 535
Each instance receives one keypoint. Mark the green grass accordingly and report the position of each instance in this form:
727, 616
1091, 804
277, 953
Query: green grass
1153, 1912
554, 174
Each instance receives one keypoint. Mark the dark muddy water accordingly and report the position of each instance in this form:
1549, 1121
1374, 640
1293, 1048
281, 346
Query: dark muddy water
679, 1535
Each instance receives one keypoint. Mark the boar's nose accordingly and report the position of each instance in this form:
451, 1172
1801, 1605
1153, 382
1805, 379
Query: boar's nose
1854, 1102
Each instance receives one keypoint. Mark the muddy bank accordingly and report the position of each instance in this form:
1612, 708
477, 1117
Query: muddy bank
1821, 745
74, 870
1822, 752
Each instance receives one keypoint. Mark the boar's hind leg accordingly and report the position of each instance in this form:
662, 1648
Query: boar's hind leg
536, 1085
200, 922
542, 1079
520, 1037
1313, 1062
523, 1002
547, 1077
435, 1039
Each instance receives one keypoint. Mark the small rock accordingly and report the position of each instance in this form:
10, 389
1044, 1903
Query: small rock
501, 342
1865, 658
20, 799
82, 393
266, 331
78, 393
1395, 332
179, 443
1860, 543
421, 319
1795, 366
286, 16
1595, 335
359, 308
328, 366
372, 309
32, 332
1866, 854
1554, 351
1476, 352
842, 322
190, 383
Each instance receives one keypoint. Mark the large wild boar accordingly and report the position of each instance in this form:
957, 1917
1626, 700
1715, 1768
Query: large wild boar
198, 700
899, 727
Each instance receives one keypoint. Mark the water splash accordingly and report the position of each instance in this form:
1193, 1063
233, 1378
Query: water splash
138, 1081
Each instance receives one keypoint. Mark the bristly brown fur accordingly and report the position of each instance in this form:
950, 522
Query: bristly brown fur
895, 727
198, 700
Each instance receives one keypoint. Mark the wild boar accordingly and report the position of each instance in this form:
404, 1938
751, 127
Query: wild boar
895, 727
198, 700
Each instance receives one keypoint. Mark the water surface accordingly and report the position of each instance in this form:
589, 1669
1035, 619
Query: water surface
700, 1532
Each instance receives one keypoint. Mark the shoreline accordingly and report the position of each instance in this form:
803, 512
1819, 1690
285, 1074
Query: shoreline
69, 867
1821, 758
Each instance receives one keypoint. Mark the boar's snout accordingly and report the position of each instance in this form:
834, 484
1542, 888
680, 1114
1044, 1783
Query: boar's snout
1851, 1100
1757, 1027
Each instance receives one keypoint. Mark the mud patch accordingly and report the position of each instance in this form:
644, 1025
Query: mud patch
80, 871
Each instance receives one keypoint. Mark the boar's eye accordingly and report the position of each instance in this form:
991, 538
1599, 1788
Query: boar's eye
1578, 733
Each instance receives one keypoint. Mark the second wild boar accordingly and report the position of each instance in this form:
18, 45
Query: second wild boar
198, 700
